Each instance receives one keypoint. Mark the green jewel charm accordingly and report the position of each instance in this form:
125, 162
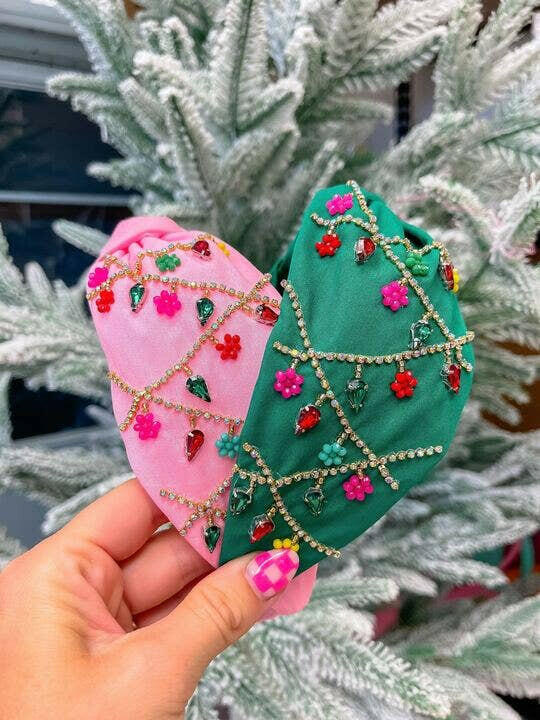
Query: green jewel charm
314, 499
356, 392
420, 332
332, 454
167, 262
197, 386
228, 445
240, 499
205, 309
137, 295
211, 535
416, 265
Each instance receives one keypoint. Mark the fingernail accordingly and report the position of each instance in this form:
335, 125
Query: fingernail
271, 571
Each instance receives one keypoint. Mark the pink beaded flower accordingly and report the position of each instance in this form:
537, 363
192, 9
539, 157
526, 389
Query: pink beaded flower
394, 295
146, 426
167, 303
288, 382
339, 204
357, 487
98, 276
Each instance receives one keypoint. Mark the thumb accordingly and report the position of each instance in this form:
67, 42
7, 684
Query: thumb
217, 612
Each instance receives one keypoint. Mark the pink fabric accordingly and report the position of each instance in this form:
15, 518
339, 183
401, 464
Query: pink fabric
140, 346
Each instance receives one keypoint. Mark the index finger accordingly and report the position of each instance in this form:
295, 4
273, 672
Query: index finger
120, 522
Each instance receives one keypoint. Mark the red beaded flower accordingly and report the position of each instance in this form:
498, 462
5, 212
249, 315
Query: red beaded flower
105, 300
230, 347
404, 384
328, 245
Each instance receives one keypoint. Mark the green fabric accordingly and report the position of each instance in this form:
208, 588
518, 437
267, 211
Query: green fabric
342, 306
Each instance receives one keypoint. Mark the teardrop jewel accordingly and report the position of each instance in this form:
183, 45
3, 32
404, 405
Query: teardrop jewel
205, 309
137, 296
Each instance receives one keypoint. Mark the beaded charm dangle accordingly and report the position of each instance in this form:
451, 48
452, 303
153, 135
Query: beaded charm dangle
230, 347
146, 426
167, 303
194, 441
228, 445
98, 276
394, 295
415, 264
451, 375
265, 315
137, 296
404, 384
240, 499
356, 487
420, 332
211, 535
167, 262
201, 248
332, 454
205, 310
261, 525
105, 300
339, 204
315, 500
288, 382
197, 386
307, 418
356, 390
328, 245
363, 249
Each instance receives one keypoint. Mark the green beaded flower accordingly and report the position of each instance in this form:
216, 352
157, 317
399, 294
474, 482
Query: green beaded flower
332, 454
167, 262
415, 264
228, 445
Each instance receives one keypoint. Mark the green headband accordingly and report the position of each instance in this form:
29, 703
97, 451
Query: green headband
362, 383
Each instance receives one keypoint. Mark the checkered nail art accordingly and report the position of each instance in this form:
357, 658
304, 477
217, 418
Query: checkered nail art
271, 571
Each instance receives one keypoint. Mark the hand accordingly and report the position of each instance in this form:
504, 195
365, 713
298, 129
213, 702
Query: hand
106, 619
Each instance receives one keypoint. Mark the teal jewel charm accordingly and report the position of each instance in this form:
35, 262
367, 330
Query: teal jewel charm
197, 386
205, 309
137, 295
314, 499
420, 332
211, 535
240, 499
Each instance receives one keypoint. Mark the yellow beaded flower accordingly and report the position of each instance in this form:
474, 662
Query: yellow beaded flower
456, 281
286, 543
224, 249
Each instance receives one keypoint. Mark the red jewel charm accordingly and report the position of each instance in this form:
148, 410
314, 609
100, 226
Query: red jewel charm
363, 249
451, 375
261, 525
202, 248
307, 418
404, 384
105, 300
230, 347
194, 442
328, 245
446, 271
265, 315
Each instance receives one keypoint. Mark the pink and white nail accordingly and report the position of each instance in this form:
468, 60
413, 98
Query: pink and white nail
271, 571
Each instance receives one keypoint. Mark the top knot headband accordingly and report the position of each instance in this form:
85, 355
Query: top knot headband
184, 319
362, 383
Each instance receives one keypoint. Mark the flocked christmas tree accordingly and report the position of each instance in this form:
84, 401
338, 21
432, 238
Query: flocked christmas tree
228, 115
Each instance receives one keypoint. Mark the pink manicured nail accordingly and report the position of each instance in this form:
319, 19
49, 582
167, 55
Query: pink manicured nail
271, 571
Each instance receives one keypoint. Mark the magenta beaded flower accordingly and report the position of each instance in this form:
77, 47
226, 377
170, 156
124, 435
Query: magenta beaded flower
357, 487
288, 382
339, 204
146, 426
167, 303
98, 276
394, 295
